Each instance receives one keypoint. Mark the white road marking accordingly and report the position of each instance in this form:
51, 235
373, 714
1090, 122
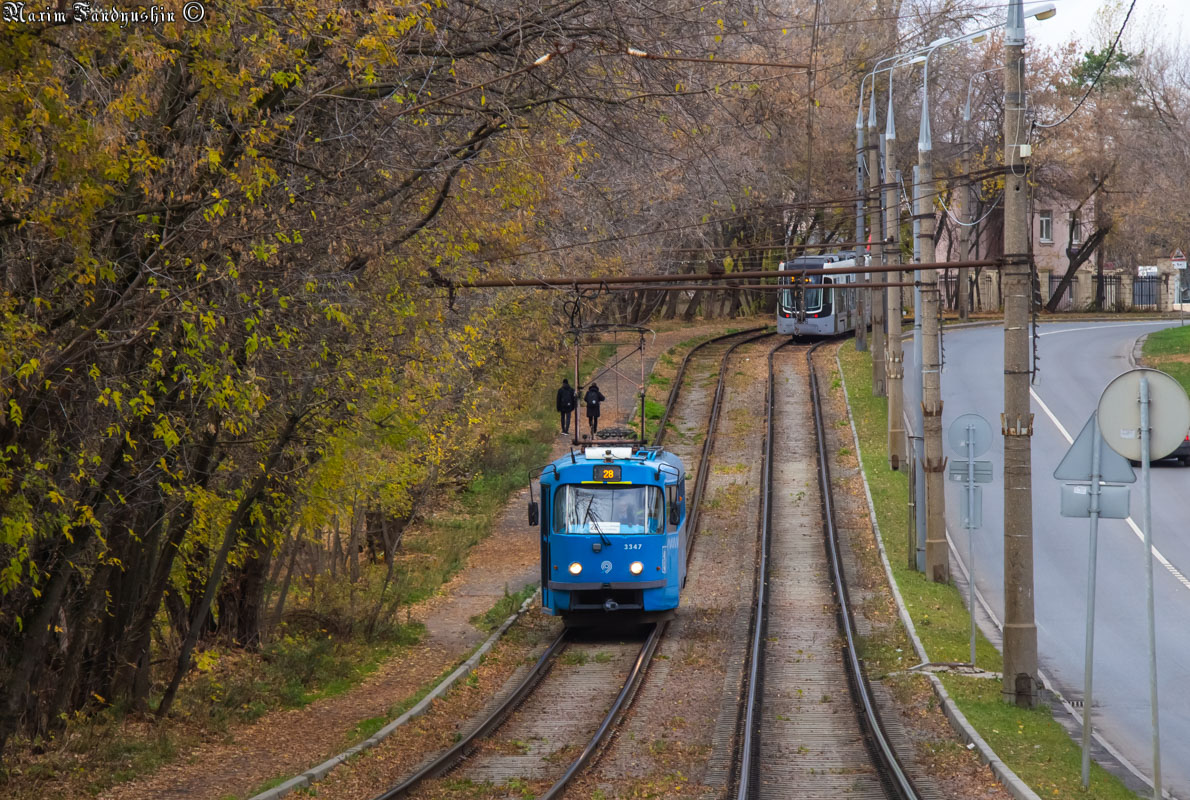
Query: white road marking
1174, 571
1112, 325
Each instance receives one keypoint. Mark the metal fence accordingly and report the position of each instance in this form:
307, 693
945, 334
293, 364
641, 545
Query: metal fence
948, 285
1067, 302
1110, 291
1146, 292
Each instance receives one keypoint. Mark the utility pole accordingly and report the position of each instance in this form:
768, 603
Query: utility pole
875, 224
1020, 628
937, 558
966, 207
861, 325
892, 255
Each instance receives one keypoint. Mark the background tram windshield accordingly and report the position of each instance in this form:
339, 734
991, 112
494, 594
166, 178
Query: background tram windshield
608, 509
810, 296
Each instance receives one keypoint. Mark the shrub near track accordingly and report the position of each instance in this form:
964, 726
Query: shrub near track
1031, 743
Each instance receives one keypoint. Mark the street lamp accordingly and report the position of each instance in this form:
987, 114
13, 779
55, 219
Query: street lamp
967, 200
875, 219
929, 360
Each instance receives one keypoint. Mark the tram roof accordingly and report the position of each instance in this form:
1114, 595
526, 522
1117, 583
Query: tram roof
649, 457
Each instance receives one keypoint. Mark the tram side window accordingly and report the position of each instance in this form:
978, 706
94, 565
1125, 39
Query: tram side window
674, 512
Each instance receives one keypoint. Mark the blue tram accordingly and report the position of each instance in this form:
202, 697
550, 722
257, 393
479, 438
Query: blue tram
613, 534
817, 305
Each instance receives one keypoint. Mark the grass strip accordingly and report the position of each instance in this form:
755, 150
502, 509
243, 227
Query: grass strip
1030, 742
1169, 351
504, 608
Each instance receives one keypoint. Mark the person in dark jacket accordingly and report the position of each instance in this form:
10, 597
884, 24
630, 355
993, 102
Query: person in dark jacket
592, 399
566, 403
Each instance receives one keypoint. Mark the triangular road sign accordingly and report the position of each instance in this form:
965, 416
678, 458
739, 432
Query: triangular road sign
1076, 464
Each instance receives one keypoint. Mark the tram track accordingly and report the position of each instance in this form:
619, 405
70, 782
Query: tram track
531, 688
809, 727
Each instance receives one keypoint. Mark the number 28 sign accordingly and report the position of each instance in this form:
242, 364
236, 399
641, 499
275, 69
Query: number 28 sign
607, 472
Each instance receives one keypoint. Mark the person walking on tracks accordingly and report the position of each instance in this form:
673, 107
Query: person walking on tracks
566, 403
592, 399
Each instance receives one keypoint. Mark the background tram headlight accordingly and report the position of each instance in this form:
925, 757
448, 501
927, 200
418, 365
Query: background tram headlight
636, 568
576, 568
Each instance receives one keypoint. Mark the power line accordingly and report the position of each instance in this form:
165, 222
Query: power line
1098, 75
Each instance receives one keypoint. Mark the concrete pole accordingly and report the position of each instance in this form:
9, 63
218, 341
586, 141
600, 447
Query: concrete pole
875, 225
966, 195
861, 323
937, 560
895, 311
1020, 627
917, 441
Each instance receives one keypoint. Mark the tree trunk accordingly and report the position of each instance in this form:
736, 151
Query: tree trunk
230, 535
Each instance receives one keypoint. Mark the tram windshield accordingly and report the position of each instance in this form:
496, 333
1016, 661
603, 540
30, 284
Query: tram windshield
811, 295
608, 509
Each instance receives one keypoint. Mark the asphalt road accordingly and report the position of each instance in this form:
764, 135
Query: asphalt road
1077, 360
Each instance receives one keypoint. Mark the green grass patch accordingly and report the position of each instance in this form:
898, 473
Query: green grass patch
365, 728
1169, 351
1033, 745
1038, 749
937, 609
491, 619
1168, 342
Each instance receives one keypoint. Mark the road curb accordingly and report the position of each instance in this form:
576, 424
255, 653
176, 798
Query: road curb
958, 721
317, 773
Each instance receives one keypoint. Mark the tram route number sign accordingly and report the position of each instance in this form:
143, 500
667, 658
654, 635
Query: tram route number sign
607, 472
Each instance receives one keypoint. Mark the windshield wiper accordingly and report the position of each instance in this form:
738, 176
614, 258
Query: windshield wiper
589, 517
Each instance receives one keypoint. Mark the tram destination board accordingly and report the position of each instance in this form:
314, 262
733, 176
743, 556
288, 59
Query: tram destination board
607, 472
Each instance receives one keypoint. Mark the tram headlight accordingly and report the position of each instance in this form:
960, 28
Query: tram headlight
636, 568
576, 568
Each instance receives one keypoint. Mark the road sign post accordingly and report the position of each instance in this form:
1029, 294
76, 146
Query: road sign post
1086, 461
971, 435
1163, 410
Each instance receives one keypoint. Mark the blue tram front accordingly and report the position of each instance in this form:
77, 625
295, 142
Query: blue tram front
613, 536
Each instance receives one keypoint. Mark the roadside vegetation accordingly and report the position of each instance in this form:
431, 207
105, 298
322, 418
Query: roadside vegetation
338, 614
1030, 742
1169, 351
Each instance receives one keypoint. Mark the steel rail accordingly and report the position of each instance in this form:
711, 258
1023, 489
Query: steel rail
712, 427
451, 757
676, 386
896, 781
605, 728
755, 679
650, 645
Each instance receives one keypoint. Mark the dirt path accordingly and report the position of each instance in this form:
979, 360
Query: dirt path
285, 743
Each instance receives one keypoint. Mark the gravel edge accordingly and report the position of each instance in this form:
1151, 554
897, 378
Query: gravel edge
317, 773
1011, 781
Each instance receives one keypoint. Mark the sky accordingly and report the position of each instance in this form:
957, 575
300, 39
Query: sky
1077, 19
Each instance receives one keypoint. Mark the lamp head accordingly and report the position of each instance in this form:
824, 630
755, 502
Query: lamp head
1041, 12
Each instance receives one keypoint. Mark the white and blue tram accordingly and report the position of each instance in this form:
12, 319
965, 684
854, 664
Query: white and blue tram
817, 305
613, 534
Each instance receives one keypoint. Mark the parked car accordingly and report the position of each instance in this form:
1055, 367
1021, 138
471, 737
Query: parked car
1181, 453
